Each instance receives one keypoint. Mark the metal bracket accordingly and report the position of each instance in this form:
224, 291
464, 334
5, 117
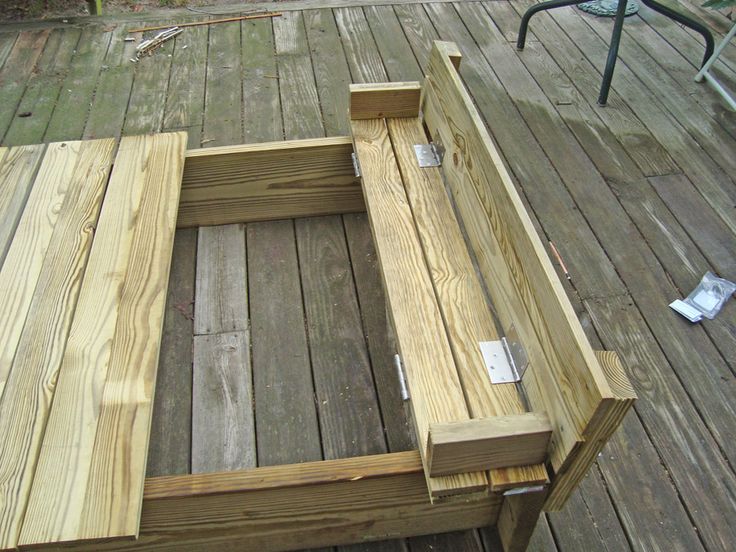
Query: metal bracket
356, 164
524, 490
429, 155
505, 359
402, 378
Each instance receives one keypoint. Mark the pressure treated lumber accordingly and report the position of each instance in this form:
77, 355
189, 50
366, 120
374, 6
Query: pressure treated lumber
291, 507
425, 351
564, 378
460, 297
24, 406
18, 168
378, 100
89, 479
484, 443
269, 181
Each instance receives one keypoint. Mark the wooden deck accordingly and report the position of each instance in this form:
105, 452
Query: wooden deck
638, 197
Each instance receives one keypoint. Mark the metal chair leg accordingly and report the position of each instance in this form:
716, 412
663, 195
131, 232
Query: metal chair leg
618, 27
690, 23
536, 9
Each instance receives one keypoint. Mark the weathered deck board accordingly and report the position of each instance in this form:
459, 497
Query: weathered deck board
672, 179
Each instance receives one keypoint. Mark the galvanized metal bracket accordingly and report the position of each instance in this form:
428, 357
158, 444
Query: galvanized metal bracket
524, 490
402, 378
505, 358
356, 164
429, 155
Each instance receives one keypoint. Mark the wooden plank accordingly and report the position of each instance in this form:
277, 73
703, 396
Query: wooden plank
378, 100
118, 322
269, 181
18, 168
223, 100
31, 241
15, 72
221, 299
43, 88
518, 518
25, 404
485, 443
72, 106
223, 432
360, 48
349, 417
312, 504
460, 296
286, 423
261, 105
112, 92
527, 292
169, 446
432, 376
396, 54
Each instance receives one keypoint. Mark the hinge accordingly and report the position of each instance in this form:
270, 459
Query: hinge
524, 490
505, 358
356, 165
402, 378
429, 155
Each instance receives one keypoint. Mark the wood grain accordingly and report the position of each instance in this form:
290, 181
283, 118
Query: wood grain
495, 442
24, 407
379, 100
221, 300
268, 181
100, 420
223, 432
30, 243
460, 296
17, 172
569, 383
295, 506
425, 351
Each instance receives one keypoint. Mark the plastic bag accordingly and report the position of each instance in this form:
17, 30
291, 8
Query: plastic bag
706, 299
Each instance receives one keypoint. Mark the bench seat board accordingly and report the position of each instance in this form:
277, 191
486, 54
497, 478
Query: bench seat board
77, 401
39, 286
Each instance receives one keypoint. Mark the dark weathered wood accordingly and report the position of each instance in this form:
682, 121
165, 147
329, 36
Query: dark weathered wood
398, 59
223, 433
169, 448
221, 298
349, 415
286, 417
360, 48
42, 89
72, 106
185, 94
20, 61
110, 103
261, 105
330, 70
224, 92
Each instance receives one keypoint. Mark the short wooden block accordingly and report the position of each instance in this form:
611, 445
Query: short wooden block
486, 443
379, 100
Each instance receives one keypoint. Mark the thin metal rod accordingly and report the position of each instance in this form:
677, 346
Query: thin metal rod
536, 9
689, 23
704, 72
618, 27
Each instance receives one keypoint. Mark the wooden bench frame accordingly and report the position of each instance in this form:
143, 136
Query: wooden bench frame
385, 496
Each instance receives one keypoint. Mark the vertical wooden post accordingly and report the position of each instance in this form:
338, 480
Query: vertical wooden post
518, 518
95, 7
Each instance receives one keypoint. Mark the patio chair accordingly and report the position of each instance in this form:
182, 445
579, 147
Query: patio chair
669, 10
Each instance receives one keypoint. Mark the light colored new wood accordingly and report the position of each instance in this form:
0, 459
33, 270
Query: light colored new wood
495, 442
269, 181
221, 300
17, 170
25, 404
425, 351
292, 507
89, 479
596, 435
378, 100
459, 294
28, 248
223, 430
517, 519
564, 379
